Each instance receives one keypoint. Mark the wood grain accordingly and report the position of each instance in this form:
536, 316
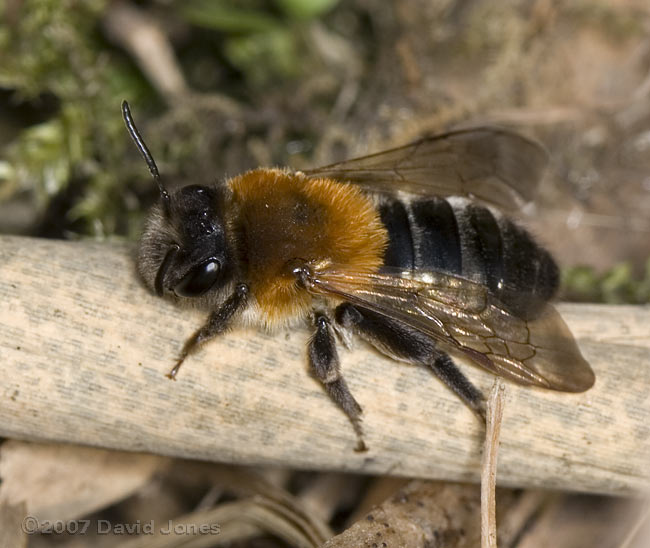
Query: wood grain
84, 349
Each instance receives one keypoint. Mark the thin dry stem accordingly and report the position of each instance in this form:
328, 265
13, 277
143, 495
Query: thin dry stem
489, 465
147, 42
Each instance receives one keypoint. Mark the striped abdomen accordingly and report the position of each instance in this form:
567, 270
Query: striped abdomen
466, 239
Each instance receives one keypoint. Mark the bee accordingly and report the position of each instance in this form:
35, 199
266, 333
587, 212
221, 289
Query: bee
410, 249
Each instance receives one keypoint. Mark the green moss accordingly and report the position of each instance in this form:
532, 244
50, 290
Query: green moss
53, 47
47, 47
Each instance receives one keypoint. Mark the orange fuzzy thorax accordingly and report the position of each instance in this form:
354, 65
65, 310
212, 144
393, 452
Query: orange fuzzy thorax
284, 216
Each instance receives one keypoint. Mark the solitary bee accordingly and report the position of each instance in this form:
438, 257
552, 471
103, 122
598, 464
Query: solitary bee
407, 248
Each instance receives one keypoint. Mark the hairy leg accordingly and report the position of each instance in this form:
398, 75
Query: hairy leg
324, 362
402, 342
447, 372
217, 323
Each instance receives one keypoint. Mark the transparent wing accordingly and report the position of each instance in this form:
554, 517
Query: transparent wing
463, 316
490, 164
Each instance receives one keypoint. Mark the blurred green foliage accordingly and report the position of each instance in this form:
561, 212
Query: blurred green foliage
262, 42
52, 47
617, 285
57, 48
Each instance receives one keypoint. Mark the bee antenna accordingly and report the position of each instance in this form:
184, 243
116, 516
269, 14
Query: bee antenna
148, 158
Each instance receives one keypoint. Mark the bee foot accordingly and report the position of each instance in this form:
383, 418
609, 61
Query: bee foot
361, 446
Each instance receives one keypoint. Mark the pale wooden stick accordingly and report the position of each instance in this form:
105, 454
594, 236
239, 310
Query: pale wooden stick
84, 350
489, 465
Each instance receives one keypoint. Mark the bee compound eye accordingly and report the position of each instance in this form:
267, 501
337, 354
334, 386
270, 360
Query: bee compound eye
199, 279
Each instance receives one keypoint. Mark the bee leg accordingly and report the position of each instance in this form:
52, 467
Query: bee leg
324, 362
445, 369
401, 342
217, 323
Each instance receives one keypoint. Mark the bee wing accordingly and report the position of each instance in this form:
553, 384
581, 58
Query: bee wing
464, 316
491, 164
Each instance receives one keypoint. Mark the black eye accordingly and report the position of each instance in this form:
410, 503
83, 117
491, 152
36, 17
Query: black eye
198, 280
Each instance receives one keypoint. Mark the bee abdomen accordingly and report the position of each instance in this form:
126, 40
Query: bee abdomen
462, 238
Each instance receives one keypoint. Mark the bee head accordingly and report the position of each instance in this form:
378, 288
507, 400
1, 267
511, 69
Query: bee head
184, 246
